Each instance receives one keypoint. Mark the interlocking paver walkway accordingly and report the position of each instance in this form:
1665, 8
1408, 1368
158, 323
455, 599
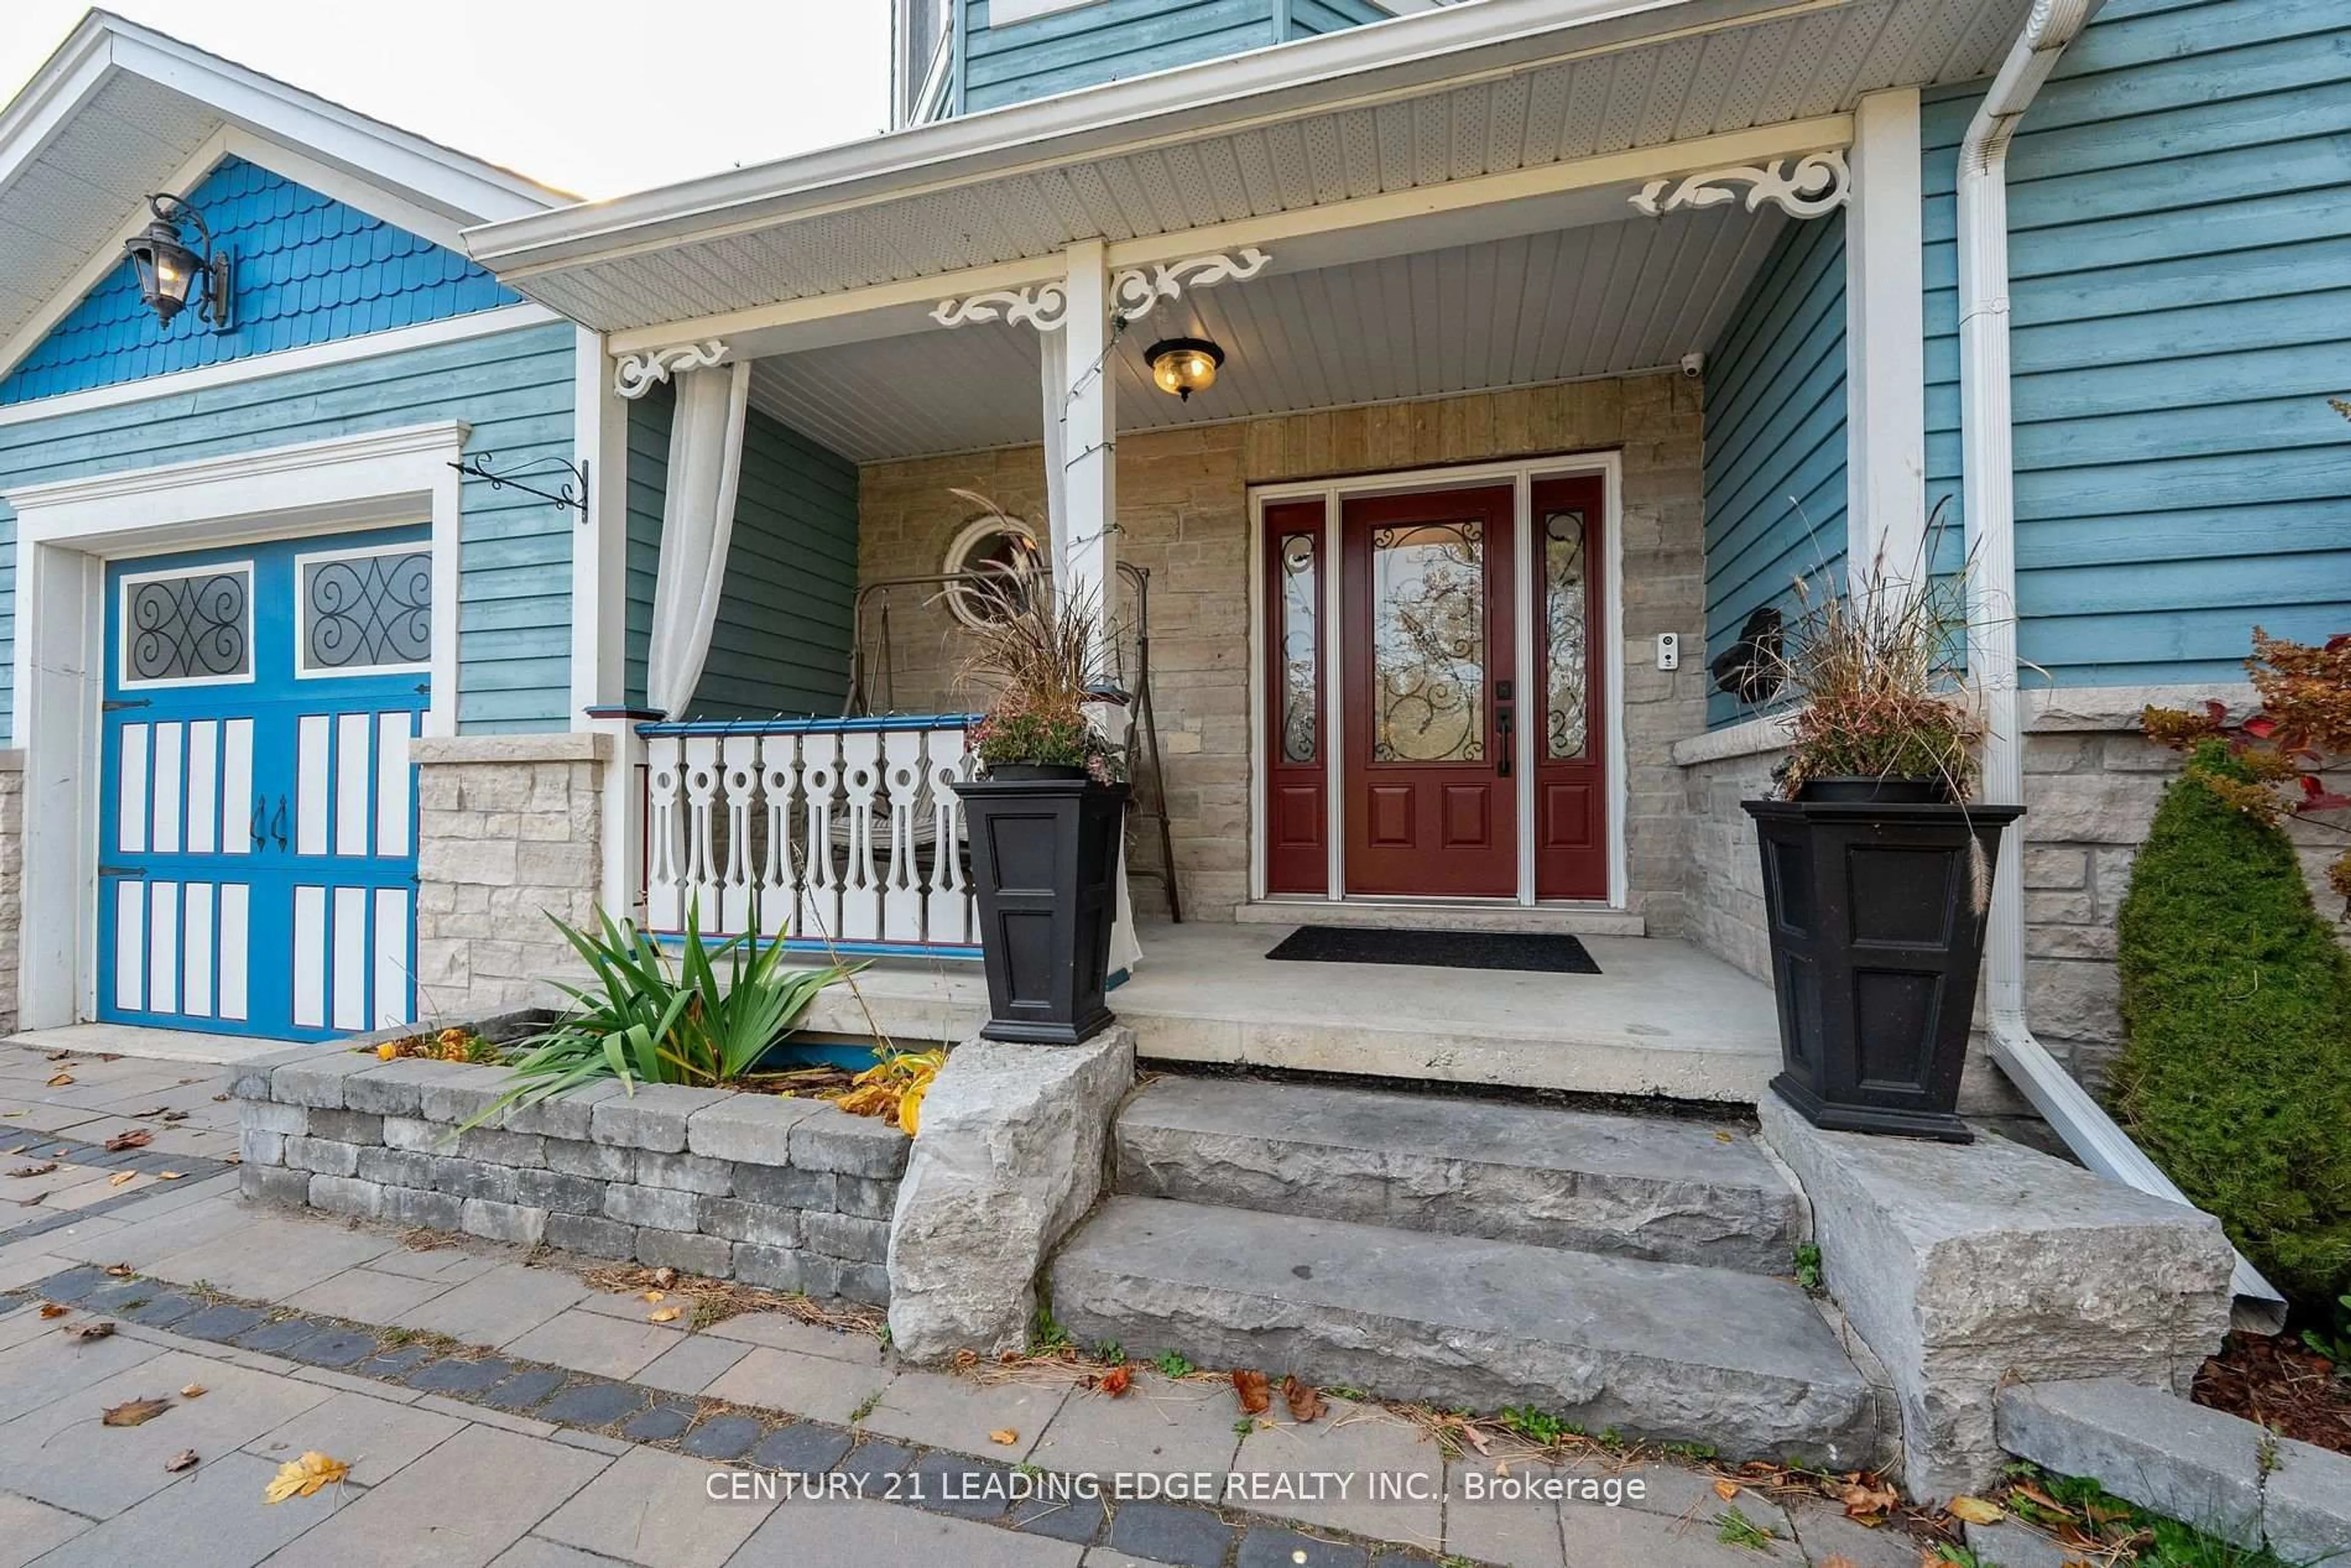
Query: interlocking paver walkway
555, 1427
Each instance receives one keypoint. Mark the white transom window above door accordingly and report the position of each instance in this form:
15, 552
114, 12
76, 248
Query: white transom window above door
185, 628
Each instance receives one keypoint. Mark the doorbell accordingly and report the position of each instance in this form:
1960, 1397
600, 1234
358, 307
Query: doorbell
1669, 651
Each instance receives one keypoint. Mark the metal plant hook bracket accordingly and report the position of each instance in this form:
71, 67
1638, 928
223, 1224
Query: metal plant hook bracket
571, 493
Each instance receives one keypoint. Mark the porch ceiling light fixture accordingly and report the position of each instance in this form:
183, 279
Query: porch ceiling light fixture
170, 275
1184, 365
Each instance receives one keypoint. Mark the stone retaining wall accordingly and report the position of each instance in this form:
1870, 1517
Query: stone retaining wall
509, 832
12, 880
789, 1195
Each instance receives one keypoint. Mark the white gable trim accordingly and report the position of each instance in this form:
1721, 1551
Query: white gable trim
229, 142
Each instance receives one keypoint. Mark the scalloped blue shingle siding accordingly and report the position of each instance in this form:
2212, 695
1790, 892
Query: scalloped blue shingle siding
309, 269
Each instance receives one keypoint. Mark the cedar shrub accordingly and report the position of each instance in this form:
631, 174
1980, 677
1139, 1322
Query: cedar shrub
2236, 1002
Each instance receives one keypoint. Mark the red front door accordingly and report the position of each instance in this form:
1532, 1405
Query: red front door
1431, 803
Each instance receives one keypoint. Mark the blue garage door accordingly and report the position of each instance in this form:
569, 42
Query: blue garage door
257, 824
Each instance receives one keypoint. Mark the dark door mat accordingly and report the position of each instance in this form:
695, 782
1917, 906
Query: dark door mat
1538, 954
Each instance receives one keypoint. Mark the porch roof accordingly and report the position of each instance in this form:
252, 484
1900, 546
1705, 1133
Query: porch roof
1168, 164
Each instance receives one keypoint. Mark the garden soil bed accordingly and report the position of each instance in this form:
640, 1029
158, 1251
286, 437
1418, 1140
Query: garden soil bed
2281, 1385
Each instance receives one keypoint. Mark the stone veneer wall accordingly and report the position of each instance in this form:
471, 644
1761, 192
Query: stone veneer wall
509, 831
1183, 514
789, 1195
2090, 785
12, 880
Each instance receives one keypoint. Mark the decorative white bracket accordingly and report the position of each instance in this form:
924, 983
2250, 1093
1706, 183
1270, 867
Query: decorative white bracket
1819, 184
633, 375
1133, 291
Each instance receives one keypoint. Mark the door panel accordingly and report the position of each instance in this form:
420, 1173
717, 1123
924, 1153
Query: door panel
1571, 640
258, 836
1430, 802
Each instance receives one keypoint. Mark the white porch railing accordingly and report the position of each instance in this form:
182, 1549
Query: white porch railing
840, 832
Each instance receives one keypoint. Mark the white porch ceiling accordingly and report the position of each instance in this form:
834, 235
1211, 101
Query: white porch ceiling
1535, 98
1601, 299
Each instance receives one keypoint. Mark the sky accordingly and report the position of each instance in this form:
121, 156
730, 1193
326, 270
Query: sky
597, 97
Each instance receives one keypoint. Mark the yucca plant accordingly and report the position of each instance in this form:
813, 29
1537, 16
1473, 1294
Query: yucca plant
661, 1022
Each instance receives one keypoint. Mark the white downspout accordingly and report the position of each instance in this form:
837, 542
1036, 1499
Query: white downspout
1989, 473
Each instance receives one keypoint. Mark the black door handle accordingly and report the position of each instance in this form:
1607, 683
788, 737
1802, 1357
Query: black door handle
277, 826
1502, 722
260, 823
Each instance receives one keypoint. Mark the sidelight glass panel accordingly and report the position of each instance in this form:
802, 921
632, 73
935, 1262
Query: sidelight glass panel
1302, 684
1428, 642
1566, 636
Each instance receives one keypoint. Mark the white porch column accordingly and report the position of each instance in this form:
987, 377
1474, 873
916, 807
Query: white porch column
600, 613
1082, 483
1886, 330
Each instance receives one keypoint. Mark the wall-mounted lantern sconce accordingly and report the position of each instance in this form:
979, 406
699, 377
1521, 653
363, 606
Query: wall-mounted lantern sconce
170, 275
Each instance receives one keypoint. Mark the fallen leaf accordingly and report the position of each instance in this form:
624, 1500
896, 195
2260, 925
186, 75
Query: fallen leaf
388, 1052
1476, 1439
194, 1391
661, 1315
34, 1170
1005, 1436
1255, 1393
220, 1099
169, 1176
185, 1459
1867, 1503
120, 1271
137, 1138
305, 1476
174, 1116
134, 1412
1724, 1138
151, 1110
1114, 1382
1305, 1401
1726, 1490
118, 1177
89, 1330
59, 1080
51, 1310
655, 1295
1975, 1511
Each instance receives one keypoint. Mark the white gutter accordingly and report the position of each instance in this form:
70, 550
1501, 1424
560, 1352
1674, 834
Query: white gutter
1988, 471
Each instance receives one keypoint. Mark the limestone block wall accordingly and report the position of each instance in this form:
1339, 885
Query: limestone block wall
12, 880
1183, 514
789, 1195
509, 831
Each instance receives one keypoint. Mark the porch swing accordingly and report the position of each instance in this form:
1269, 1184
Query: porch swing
1134, 699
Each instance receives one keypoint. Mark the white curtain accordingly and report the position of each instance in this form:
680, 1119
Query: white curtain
1126, 952
706, 467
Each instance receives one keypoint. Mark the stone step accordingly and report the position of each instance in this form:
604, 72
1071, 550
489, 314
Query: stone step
1659, 1351
1669, 1189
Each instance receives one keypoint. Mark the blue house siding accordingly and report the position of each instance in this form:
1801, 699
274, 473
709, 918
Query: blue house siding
1775, 439
2180, 208
514, 388
649, 423
781, 641
1309, 17
1107, 40
308, 269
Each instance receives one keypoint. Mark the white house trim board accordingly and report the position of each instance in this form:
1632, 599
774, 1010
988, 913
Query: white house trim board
284, 361
67, 531
1885, 342
1606, 642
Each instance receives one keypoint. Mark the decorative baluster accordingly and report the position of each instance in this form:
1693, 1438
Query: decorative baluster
700, 856
819, 906
664, 834
780, 886
741, 776
947, 904
902, 890
861, 779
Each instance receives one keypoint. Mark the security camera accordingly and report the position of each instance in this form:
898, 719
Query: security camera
1693, 365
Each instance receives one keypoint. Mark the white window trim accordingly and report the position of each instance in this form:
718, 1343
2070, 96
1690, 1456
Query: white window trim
128, 581
302, 613
1607, 641
67, 532
1012, 13
970, 534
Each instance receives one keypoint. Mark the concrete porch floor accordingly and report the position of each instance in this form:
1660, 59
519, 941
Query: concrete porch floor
1661, 1018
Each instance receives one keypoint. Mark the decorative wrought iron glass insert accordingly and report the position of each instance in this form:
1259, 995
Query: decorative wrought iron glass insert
1566, 636
366, 613
1428, 642
1302, 664
188, 629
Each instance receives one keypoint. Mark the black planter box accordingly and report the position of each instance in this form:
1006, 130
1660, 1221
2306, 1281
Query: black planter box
1044, 856
1875, 943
